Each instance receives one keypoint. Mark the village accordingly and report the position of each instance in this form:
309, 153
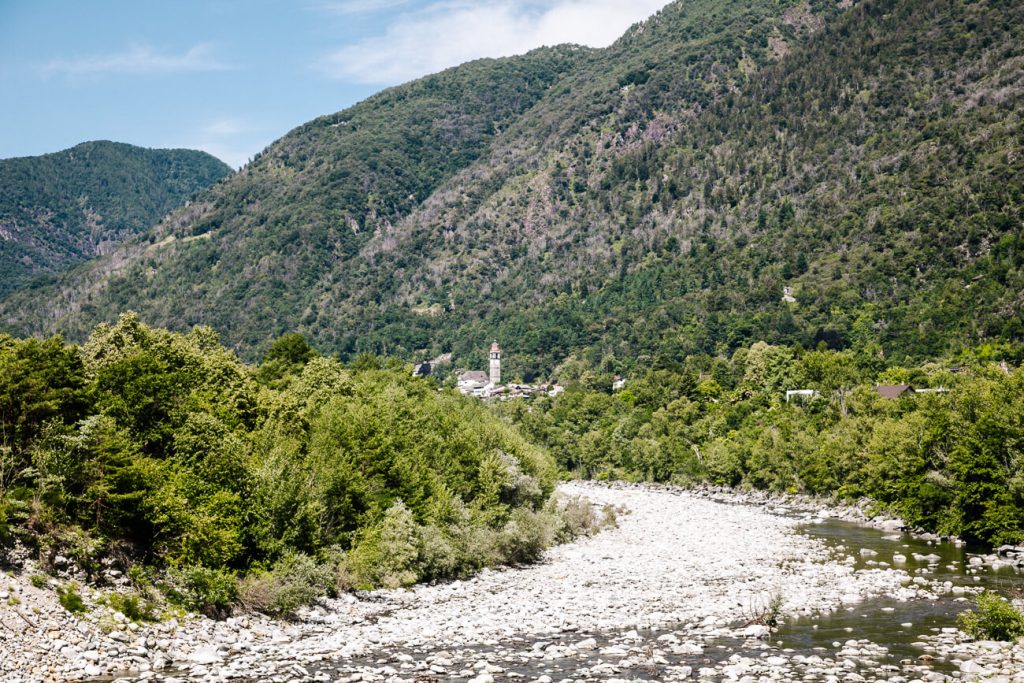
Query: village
487, 385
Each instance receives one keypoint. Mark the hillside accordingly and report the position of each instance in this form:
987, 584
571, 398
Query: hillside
57, 210
646, 201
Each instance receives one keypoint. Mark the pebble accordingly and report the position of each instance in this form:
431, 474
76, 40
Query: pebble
668, 595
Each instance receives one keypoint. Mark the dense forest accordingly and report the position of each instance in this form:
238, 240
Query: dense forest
58, 210
656, 198
267, 486
946, 455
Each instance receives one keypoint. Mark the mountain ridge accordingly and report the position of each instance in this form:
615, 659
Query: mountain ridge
656, 200
63, 208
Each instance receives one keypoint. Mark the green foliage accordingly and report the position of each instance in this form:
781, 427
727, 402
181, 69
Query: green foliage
386, 554
39, 580
286, 356
210, 591
168, 450
64, 208
70, 599
135, 607
949, 461
295, 580
995, 619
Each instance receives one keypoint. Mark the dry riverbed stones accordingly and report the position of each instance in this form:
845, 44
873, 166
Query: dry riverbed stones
666, 596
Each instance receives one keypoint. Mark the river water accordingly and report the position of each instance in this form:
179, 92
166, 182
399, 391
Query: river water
893, 624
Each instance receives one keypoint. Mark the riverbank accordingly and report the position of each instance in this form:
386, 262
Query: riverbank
680, 578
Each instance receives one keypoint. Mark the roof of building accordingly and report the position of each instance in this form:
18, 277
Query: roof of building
474, 376
893, 390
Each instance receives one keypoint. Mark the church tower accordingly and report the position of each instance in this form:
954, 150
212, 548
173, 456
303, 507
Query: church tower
495, 364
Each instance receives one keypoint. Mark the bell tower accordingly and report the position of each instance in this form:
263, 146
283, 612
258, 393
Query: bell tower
495, 364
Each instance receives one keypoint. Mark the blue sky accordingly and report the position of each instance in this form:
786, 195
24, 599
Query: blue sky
231, 76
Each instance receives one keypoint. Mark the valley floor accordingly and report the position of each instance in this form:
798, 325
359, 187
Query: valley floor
668, 595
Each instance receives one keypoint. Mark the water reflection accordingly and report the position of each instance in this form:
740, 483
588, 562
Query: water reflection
894, 624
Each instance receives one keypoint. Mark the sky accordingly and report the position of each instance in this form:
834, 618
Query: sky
231, 76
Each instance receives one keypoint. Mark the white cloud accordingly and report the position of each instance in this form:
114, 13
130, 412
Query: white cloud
232, 140
226, 127
232, 155
139, 59
451, 32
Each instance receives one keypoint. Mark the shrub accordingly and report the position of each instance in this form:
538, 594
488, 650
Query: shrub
387, 554
135, 607
39, 580
71, 599
437, 556
995, 619
295, 580
578, 518
210, 591
476, 547
527, 535
766, 611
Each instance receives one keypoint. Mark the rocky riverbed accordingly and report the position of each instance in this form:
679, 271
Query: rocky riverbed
670, 594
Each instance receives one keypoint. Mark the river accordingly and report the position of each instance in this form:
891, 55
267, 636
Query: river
671, 594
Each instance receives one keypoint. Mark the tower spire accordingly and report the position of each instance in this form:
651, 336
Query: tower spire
495, 375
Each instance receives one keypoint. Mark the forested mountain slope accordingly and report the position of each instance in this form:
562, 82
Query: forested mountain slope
652, 199
249, 256
57, 210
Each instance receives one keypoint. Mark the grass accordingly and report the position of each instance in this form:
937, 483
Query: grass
71, 599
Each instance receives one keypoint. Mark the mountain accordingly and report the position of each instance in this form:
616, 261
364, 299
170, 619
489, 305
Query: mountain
57, 210
799, 172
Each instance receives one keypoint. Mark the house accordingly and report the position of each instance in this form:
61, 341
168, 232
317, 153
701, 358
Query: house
472, 380
801, 393
935, 390
894, 391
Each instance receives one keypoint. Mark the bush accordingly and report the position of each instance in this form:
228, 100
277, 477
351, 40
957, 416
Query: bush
578, 518
210, 591
437, 556
995, 619
71, 599
527, 535
39, 580
135, 607
295, 580
387, 554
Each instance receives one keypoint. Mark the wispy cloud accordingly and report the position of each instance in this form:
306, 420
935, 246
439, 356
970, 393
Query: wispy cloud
359, 6
139, 59
450, 32
232, 140
226, 127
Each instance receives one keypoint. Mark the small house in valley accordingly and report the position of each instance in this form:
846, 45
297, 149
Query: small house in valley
894, 391
801, 394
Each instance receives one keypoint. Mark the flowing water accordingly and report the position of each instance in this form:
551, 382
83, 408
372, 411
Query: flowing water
891, 623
